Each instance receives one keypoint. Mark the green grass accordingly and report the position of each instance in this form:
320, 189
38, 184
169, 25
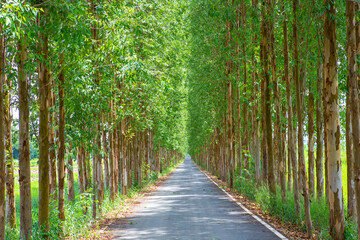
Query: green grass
285, 210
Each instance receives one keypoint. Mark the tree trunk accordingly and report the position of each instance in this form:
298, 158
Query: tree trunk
311, 143
43, 127
255, 110
279, 148
94, 176
70, 176
245, 99
299, 84
10, 179
124, 172
2, 136
111, 155
332, 124
291, 137
105, 156
350, 162
263, 59
61, 156
52, 152
80, 170
24, 145
319, 133
351, 47
354, 102
266, 25
99, 168
115, 156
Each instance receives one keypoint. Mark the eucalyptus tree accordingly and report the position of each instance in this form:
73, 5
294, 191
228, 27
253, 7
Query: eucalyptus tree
299, 83
332, 125
43, 20
353, 96
2, 135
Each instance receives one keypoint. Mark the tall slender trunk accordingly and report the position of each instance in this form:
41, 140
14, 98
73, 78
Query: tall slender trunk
279, 148
319, 133
70, 176
351, 45
94, 178
10, 179
111, 155
238, 163
299, 84
99, 168
24, 144
61, 156
291, 137
124, 171
105, 154
52, 152
311, 143
115, 156
332, 124
43, 126
350, 161
354, 103
264, 74
80, 170
2, 136
255, 110
245, 98
266, 38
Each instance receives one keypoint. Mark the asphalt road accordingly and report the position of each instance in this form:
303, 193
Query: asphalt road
189, 206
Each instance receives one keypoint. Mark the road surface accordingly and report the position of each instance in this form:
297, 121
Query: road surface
189, 206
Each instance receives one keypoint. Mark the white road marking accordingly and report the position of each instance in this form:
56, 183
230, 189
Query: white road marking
273, 230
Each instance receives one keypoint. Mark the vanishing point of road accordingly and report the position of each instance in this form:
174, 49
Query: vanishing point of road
189, 206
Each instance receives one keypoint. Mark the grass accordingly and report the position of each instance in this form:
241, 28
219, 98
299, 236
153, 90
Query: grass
285, 210
78, 213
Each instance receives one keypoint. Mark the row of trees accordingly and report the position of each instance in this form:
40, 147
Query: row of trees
92, 82
265, 71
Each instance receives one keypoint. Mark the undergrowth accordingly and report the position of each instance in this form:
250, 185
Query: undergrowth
285, 210
79, 221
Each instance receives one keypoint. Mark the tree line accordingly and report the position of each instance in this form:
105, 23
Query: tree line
278, 85
99, 86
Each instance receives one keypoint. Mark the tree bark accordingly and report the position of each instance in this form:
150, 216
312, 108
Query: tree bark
255, 110
281, 161
24, 145
245, 124
43, 127
266, 26
299, 84
52, 152
2, 136
311, 143
319, 133
291, 133
80, 170
354, 102
10, 179
111, 155
332, 124
105, 154
124, 173
61, 156
70, 176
